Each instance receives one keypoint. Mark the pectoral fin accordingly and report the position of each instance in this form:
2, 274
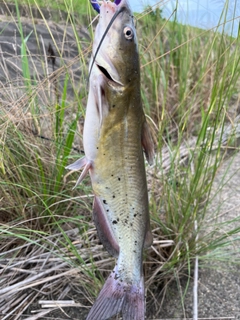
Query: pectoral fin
104, 229
79, 164
147, 143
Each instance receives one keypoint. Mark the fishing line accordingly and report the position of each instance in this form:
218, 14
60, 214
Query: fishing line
103, 37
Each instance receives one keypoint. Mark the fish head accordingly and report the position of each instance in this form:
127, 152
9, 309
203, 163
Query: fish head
115, 52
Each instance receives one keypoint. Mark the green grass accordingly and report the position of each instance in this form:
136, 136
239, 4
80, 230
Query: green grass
190, 84
80, 7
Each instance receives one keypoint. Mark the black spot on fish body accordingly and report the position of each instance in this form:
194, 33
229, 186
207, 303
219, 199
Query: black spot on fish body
114, 222
104, 201
116, 276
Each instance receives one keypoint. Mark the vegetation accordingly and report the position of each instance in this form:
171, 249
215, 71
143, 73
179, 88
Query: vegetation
190, 90
80, 7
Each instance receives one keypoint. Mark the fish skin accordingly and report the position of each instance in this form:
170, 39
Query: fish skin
115, 136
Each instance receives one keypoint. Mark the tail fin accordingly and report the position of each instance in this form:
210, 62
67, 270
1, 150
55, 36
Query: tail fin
117, 296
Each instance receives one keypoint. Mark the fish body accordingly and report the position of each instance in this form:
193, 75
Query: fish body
115, 135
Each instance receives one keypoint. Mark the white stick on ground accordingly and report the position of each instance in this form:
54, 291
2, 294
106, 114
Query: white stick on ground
195, 280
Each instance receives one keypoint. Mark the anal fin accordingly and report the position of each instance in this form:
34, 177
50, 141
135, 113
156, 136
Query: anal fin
104, 229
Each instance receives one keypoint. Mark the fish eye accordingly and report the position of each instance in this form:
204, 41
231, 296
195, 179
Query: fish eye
128, 33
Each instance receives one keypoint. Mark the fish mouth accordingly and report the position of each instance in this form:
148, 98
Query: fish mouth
108, 76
